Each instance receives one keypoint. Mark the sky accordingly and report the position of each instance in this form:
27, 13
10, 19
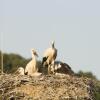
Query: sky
73, 24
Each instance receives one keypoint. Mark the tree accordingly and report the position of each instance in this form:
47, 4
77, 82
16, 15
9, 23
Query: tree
86, 74
12, 62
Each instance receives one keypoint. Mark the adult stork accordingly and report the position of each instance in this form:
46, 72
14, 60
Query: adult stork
49, 56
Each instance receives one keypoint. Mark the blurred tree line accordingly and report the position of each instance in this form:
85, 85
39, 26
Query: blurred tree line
12, 61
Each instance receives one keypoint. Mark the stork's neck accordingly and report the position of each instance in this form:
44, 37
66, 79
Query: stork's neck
33, 56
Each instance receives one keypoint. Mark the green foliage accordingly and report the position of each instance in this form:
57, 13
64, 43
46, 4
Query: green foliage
86, 74
96, 82
97, 95
12, 62
97, 90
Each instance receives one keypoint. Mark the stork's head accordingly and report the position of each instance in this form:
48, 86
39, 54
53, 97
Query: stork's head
34, 52
52, 43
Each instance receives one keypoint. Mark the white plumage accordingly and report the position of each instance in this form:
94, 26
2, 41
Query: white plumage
49, 56
61, 67
32, 67
20, 71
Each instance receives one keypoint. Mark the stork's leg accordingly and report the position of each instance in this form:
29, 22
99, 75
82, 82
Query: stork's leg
53, 67
49, 69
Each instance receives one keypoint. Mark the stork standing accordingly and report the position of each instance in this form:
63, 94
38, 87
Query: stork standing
49, 56
32, 67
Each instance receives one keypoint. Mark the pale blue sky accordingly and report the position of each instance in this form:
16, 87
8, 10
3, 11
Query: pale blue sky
73, 24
